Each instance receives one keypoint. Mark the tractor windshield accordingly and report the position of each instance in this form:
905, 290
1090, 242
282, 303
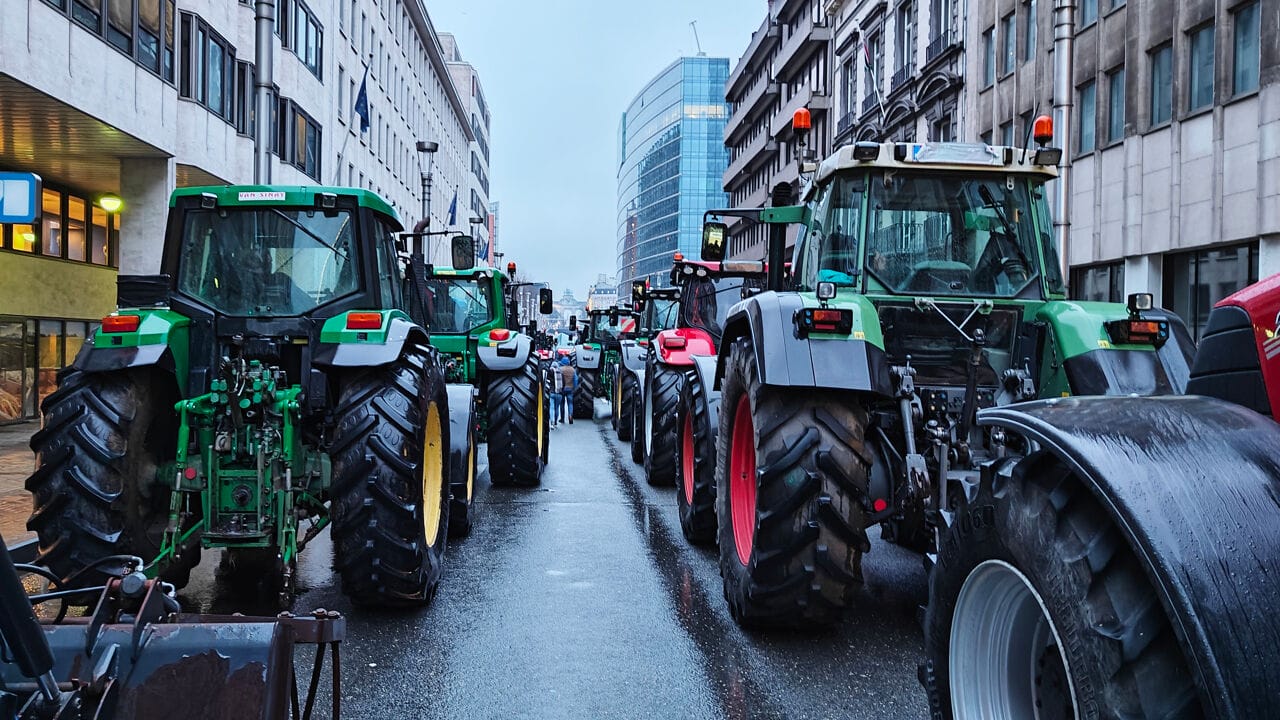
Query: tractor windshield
939, 234
663, 314
457, 306
267, 261
602, 327
705, 302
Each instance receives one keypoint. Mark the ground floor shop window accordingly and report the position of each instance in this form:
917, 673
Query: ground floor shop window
1195, 281
31, 353
1098, 283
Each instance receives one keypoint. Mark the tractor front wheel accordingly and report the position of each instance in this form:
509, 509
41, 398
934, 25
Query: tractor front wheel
95, 491
696, 464
661, 393
1038, 607
584, 395
390, 493
517, 405
791, 476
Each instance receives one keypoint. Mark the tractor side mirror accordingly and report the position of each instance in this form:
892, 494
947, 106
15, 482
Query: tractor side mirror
463, 250
638, 288
545, 301
613, 320
573, 322
713, 234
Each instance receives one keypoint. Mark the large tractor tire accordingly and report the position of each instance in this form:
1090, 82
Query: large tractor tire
696, 464
584, 395
637, 430
628, 390
95, 491
390, 493
791, 476
1031, 561
516, 402
661, 393
462, 459
615, 400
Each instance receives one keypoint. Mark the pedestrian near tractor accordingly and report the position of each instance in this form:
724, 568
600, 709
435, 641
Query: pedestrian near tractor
569, 378
557, 391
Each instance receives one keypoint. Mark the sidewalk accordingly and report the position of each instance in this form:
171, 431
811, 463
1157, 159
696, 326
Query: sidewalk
16, 463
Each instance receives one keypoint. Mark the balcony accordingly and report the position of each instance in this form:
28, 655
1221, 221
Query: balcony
761, 149
846, 126
816, 102
870, 104
938, 47
807, 38
747, 107
762, 41
903, 76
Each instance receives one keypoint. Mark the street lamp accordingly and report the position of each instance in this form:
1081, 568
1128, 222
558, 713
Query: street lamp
429, 149
475, 222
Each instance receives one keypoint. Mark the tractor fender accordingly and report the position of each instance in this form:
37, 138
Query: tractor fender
462, 417
704, 367
589, 358
153, 344
505, 356
681, 345
374, 351
784, 358
633, 356
1193, 485
105, 359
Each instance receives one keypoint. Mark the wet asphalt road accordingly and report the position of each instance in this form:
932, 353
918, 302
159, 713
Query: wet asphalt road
581, 599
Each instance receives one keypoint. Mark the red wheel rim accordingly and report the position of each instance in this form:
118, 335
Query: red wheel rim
686, 458
742, 481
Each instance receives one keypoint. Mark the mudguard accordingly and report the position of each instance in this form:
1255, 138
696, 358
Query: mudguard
691, 343
1193, 484
505, 356
161, 340
462, 412
345, 348
633, 356
785, 359
705, 368
589, 357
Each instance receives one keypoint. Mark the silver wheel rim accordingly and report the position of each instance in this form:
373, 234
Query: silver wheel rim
648, 416
1005, 658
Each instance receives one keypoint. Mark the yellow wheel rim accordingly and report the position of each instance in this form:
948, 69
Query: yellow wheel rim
432, 476
541, 419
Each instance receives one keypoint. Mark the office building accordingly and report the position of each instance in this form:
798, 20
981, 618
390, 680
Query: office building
474, 194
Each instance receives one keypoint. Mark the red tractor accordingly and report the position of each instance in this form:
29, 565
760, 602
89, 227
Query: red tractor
1239, 357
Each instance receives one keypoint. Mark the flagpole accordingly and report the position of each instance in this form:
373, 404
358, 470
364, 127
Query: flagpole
337, 175
875, 85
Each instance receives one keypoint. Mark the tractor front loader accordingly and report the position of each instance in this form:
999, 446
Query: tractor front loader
275, 380
474, 325
1097, 543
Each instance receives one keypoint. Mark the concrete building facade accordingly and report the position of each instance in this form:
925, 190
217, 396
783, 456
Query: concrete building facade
787, 66
474, 196
1176, 145
899, 70
671, 159
132, 98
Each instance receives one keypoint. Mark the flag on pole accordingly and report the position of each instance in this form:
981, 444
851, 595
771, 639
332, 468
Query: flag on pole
362, 102
875, 81
453, 209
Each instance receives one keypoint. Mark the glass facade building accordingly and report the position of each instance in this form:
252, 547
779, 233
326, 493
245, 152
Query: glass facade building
671, 164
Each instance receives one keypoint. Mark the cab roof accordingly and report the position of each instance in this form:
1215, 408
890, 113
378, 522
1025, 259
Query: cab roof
478, 270
277, 195
973, 158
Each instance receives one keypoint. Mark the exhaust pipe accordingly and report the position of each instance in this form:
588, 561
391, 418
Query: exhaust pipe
264, 27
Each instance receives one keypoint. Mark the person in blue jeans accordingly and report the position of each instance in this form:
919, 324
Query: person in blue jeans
555, 387
569, 377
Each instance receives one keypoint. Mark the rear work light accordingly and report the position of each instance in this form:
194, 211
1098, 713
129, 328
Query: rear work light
824, 320
674, 343
364, 321
121, 323
500, 335
1138, 332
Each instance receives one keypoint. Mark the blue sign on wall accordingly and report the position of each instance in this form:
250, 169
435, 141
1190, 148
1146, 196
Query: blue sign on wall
18, 197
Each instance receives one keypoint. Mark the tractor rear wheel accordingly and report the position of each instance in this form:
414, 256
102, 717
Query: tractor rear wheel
627, 391
791, 477
662, 392
390, 493
516, 402
584, 396
95, 491
696, 464
1038, 607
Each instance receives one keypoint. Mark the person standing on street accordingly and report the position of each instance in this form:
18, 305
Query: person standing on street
555, 383
569, 378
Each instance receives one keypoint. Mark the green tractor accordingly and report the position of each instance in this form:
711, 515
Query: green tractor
1084, 525
598, 353
472, 317
276, 379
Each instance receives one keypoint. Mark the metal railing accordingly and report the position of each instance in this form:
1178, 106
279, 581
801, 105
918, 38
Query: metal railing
903, 75
940, 44
870, 103
846, 124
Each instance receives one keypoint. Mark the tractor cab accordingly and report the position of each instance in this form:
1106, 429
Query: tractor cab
709, 289
462, 306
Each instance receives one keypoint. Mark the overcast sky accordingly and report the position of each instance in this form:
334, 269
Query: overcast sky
557, 75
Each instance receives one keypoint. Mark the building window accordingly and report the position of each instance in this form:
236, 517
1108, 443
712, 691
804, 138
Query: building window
342, 95
1200, 69
141, 29
1115, 106
1161, 85
849, 87
1006, 134
244, 103
1195, 281
872, 67
1088, 117
1098, 283
70, 227
1008, 28
989, 57
1116, 3
1088, 12
1246, 56
943, 130
300, 33
208, 68
1030, 32
940, 18
906, 50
